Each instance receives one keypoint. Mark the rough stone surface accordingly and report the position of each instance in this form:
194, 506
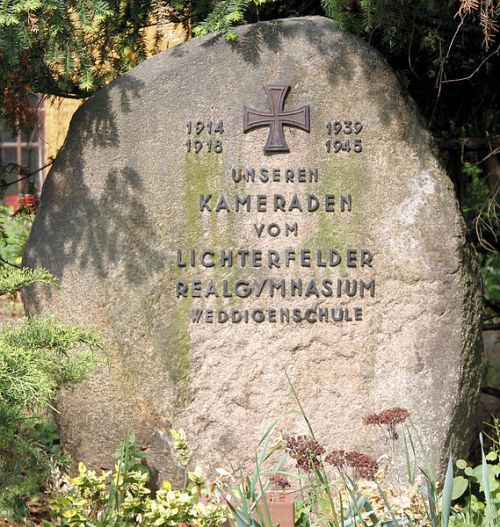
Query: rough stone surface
123, 196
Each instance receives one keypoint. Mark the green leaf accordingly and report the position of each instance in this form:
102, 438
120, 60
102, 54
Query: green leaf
492, 456
87, 81
460, 485
447, 494
474, 473
28, 5
486, 484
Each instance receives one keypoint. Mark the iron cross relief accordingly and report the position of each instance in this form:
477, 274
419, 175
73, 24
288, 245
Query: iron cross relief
277, 118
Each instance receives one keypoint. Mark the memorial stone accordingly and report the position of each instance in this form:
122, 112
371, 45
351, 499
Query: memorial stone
228, 210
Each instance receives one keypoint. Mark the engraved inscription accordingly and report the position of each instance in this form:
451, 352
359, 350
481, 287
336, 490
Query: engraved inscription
204, 136
334, 275
344, 136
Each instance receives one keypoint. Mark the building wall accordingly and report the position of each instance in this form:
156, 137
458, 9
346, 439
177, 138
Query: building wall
58, 113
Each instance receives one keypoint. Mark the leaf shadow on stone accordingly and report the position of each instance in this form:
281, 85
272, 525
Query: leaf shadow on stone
107, 228
252, 40
177, 51
105, 231
130, 88
250, 43
276, 35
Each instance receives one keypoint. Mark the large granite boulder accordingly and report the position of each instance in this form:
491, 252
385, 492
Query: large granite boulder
225, 211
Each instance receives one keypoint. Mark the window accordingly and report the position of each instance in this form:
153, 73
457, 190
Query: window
24, 149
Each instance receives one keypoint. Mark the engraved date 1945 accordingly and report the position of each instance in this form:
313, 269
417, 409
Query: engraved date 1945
345, 136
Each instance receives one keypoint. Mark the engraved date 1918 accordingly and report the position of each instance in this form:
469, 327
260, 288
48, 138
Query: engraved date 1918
344, 136
204, 135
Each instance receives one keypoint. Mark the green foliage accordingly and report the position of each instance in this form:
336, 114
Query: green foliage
13, 279
67, 48
225, 15
181, 447
478, 191
14, 232
123, 499
35, 361
327, 497
490, 266
30, 451
338, 11
37, 357
476, 490
480, 210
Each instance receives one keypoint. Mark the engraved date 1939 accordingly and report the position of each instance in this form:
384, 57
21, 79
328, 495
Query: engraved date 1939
344, 136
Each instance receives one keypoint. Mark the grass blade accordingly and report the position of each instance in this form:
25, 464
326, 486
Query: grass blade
302, 411
486, 484
411, 470
447, 493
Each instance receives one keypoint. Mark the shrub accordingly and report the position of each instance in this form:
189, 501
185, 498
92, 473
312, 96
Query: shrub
37, 357
123, 499
476, 490
346, 497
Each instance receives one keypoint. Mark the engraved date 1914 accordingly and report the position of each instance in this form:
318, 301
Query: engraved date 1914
204, 135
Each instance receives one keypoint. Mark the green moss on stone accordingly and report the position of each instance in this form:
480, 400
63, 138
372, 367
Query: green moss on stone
178, 350
201, 174
167, 324
339, 230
